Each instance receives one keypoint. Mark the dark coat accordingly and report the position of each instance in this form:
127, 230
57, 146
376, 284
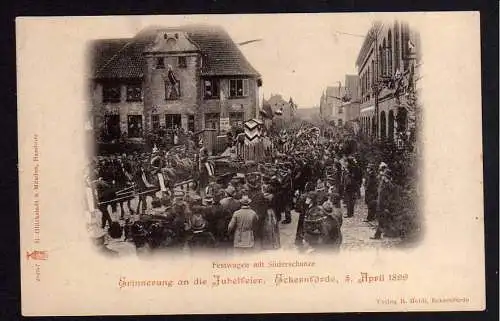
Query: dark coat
371, 185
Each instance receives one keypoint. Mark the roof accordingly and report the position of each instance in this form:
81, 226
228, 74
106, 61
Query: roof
370, 37
123, 58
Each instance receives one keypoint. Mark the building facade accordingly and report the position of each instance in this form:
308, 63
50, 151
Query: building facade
340, 104
388, 69
350, 104
193, 77
283, 111
331, 105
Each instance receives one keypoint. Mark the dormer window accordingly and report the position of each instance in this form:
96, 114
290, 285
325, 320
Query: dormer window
160, 63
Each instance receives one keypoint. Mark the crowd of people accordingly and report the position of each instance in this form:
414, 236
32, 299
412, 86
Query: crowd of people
320, 179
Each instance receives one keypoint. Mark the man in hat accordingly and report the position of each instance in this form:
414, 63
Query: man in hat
313, 221
243, 223
332, 234
180, 212
371, 192
206, 171
350, 191
200, 236
321, 191
259, 203
228, 203
104, 194
301, 206
386, 202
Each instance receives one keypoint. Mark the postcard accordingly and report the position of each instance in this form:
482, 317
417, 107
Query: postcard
234, 164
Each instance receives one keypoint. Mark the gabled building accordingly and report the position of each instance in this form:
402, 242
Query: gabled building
281, 108
330, 104
190, 77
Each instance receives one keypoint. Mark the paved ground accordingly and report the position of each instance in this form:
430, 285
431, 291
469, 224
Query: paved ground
355, 233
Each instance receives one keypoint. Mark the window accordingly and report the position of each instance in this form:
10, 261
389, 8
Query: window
238, 87
380, 60
172, 90
111, 127
389, 53
236, 118
134, 126
134, 91
182, 62
373, 72
396, 45
160, 63
368, 78
111, 93
155, 121
212, 121
211, 88
172, 121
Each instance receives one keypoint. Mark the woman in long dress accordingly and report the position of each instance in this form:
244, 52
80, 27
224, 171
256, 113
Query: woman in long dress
270, 232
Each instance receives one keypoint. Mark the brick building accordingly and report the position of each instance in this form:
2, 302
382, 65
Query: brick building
388, 64
190, 77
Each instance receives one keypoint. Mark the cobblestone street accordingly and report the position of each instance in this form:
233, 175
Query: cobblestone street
356, 233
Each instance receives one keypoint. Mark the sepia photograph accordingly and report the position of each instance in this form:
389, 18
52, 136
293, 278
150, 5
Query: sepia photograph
250, 163
194, 149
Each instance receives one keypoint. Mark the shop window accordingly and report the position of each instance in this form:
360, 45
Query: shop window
212, 121
172, 121
111, 93
236, 119
134, 126
155, 121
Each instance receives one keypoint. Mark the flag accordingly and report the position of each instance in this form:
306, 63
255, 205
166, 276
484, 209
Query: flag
411, 46
171, 77
397, 80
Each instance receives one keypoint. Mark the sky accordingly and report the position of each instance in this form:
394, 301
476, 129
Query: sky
299, 55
